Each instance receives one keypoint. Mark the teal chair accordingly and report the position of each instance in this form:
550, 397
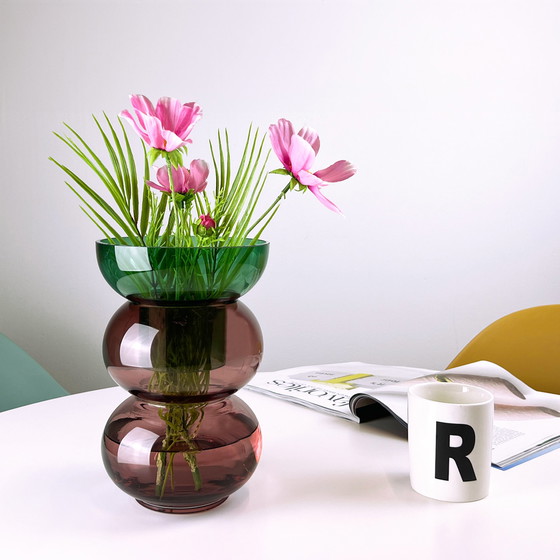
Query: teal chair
22, 380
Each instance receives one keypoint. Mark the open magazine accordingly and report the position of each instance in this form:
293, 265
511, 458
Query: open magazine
526, 422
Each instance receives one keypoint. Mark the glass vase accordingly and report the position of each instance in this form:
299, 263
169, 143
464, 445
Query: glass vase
182, 345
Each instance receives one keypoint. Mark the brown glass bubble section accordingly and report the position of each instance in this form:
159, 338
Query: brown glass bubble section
227, 442
224, 339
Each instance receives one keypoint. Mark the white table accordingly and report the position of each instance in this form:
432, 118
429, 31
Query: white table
325, 488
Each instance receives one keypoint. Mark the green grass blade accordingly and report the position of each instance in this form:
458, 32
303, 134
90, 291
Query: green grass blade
114, 160
228, 163
105, 234
217, 192
94, 157
147, 198
107, 229
101, 171
109, 210
258, 236
129, 189
223, 186
241, 228
132, 169
238, 201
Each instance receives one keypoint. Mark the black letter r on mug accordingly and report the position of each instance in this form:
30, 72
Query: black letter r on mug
444, 451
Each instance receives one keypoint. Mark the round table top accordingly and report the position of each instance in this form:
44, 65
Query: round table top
325, 488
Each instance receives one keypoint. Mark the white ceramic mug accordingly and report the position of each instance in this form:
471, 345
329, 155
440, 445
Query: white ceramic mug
450, 440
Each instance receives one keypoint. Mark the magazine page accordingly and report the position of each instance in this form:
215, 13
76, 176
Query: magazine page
330, 387
526, 424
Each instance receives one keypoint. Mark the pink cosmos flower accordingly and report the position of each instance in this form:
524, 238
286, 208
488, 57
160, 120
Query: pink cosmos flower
184, 180
207, 221
297, 153
167, 126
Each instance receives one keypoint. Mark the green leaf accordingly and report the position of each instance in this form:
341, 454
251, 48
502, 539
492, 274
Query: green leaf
153, 154
176, 158
280, 171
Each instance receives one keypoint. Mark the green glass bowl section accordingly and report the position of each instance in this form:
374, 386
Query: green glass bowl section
181, 274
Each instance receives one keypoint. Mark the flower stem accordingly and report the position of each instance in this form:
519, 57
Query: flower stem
279, 198
173, 198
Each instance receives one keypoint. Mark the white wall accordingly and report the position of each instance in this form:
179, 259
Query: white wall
449, 109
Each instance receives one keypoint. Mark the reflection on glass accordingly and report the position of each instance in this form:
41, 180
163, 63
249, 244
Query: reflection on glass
132, 259
136, 446
136, 346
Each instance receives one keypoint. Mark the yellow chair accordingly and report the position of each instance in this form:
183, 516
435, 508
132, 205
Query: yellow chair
526, 343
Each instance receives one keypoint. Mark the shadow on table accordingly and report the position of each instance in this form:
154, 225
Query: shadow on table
387, 426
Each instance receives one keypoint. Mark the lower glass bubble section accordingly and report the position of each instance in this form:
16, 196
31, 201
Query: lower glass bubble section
181, 458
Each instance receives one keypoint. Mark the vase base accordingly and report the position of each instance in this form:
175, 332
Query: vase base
182, 510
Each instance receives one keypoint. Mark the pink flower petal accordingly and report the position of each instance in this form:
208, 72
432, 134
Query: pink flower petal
207, 221
162, 176
154, 132
339, 171
199, 175
143, 104
156, 186
180, 176
309, 179
323, 200
171, 141
280, 138
140, 131
177, 118
168, 110
189, 114
142, 108
167, 126
309, 135
301, 154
